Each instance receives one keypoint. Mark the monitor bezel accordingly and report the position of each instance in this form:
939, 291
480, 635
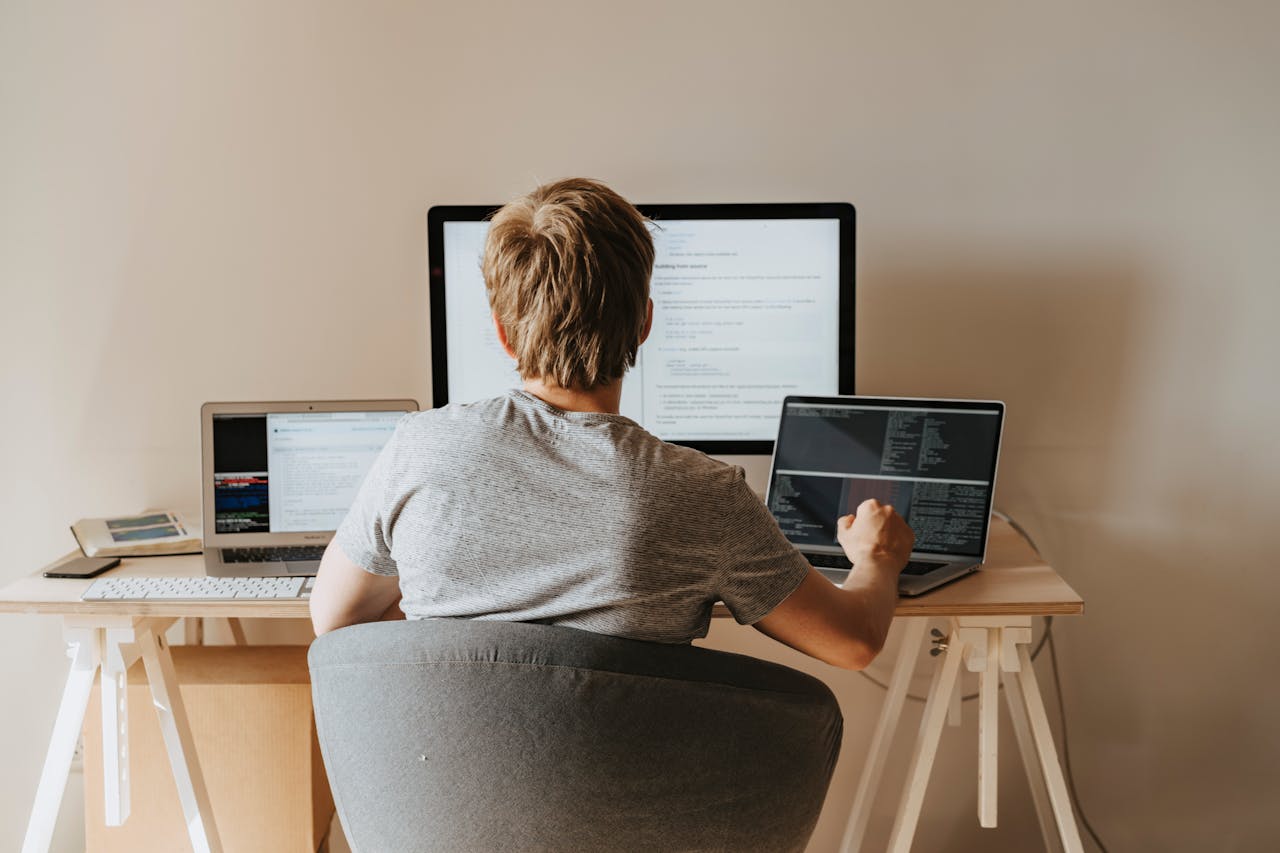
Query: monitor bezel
843, 212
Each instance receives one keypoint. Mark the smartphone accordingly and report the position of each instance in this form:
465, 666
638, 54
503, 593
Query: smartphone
83, 567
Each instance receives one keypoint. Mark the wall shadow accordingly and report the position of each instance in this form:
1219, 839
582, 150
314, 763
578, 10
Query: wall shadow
1129, 459
1052, 336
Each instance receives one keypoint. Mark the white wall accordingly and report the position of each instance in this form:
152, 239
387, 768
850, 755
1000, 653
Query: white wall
1067, 206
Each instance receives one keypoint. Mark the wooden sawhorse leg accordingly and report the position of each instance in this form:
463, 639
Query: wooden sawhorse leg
882, 739
237, 631
111, 647
1026, 707
996, 649
178, 742
194, 630
82, 647
943, 684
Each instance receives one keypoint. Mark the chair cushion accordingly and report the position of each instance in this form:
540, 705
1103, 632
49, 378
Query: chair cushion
483, 735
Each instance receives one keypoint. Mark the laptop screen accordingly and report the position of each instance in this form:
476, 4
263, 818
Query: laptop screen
292, 472
933, 460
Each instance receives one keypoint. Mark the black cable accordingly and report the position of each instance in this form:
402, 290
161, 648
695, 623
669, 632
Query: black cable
1066, 750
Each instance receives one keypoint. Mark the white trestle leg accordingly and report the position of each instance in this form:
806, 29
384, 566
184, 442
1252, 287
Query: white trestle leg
1047, 753
931, 723
178, 742
882, 740
996, 648
82, 647
989, 729
1030, 761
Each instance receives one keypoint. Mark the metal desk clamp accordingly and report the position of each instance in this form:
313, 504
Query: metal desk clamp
939, 641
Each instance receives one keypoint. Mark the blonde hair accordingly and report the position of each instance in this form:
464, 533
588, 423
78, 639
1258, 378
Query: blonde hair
567, 270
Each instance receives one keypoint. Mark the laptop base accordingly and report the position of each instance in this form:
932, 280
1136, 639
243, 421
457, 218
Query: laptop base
910, 586
215, 568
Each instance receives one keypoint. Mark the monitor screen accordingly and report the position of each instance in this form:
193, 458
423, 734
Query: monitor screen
752, 302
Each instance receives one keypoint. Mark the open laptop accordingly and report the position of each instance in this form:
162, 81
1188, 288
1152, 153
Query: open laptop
933, 460
278, 478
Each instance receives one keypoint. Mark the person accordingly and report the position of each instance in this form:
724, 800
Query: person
547, 505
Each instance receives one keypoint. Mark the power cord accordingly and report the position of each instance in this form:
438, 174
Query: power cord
1066, 750
1046, 638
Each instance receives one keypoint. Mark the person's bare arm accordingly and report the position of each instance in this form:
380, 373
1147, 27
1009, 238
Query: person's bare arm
345, 594
846, 625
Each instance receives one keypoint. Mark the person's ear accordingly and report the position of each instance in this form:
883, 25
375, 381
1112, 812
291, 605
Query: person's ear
648, 322
502, 335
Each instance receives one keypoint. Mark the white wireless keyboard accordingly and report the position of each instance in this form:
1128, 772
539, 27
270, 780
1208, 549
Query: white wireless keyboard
197, 589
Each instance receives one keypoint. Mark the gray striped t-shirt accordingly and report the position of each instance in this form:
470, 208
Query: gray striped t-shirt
514, 509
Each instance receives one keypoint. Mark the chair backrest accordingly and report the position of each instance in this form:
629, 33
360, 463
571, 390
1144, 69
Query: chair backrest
471, 735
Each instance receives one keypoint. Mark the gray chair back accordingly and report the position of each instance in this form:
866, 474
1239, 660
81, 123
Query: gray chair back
468, 735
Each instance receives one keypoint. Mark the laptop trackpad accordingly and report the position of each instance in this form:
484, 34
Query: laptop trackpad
302, 567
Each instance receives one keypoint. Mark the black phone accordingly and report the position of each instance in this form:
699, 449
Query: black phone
83, 567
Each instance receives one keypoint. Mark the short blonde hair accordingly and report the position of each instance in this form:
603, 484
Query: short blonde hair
567, 270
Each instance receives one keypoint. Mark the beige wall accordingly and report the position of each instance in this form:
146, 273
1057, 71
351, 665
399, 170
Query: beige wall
1069, 206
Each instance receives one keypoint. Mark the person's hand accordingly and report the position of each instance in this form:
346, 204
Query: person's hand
876, 533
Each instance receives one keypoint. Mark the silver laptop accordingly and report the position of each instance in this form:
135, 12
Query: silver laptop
278, 478
933, 460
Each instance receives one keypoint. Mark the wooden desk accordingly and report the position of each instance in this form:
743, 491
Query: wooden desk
61, 596
990, 616
107, 637
1014, 581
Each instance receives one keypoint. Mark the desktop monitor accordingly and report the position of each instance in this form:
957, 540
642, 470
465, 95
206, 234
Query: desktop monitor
752, 303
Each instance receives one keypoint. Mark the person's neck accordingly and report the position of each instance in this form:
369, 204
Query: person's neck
602, 398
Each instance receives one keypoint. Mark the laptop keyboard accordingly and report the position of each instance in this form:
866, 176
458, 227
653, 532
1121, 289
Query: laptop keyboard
273, 554
829, 561
840, 562
921, 567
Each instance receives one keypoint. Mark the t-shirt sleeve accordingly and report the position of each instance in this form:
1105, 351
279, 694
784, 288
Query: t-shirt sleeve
365, 533
760, 568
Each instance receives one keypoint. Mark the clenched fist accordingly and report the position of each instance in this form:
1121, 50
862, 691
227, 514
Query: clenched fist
875, 533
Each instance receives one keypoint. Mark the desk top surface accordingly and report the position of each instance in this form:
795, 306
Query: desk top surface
1013, 581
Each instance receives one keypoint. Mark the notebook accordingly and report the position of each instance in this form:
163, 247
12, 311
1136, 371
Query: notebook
278, 478
933, 460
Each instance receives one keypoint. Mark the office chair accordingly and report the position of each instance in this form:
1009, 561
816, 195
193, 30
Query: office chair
467, 735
